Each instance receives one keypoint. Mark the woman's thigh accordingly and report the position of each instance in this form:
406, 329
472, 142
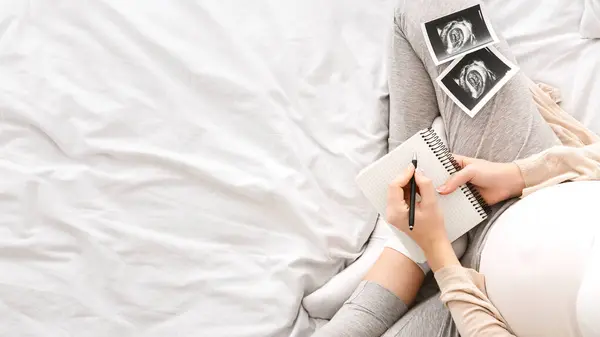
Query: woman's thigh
508, 127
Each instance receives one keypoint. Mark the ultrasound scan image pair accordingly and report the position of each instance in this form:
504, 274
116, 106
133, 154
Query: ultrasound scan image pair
478, 70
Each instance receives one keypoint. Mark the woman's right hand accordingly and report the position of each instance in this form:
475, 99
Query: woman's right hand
429, 231
495, 181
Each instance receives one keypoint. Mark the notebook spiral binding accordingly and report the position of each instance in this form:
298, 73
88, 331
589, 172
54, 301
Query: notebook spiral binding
451, 165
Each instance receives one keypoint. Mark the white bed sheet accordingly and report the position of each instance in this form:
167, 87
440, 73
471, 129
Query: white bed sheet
177, 168
544, 35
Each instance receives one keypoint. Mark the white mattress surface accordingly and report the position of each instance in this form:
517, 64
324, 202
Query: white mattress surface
187, 168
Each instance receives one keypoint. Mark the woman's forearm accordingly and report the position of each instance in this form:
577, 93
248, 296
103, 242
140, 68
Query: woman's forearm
560, 164
441, 255
463, 292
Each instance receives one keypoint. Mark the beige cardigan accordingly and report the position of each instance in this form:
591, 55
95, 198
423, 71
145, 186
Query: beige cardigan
577, 159
463, 290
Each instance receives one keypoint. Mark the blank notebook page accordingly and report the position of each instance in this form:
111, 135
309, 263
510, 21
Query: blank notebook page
461, 212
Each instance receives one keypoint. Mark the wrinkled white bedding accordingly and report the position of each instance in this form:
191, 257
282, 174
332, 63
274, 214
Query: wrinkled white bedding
590, 20
182, 169
179, 168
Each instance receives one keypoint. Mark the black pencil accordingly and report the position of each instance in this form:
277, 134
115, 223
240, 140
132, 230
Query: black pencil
413, 196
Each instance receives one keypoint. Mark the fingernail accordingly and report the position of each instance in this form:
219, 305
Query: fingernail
441, 189
410, 166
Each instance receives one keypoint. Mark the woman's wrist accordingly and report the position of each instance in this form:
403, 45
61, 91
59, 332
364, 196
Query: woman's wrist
440, 254
515, 181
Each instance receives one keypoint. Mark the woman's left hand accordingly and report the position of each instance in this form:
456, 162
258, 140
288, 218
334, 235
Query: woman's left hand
496, 182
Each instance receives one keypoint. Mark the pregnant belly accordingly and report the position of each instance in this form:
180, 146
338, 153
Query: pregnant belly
542, 265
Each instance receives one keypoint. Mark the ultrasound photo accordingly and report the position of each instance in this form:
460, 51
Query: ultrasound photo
457, 34
474, 79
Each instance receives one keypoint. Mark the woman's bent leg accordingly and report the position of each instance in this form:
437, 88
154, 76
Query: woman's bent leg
429, 318
506, 128
380, 300
413, 103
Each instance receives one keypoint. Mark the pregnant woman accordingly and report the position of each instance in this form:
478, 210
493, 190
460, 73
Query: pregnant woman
518, 152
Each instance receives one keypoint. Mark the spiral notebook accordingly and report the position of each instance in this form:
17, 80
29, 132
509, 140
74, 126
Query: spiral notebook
463, 209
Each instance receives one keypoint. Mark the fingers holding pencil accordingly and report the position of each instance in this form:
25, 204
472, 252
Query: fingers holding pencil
398, 197
428, 217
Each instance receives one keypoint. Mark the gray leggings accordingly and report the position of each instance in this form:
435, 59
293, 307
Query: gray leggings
509, 127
